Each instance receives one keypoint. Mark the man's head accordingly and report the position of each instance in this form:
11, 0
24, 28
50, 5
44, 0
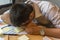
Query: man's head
21, 14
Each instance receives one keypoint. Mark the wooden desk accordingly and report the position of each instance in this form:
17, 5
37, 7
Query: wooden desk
6, 37
31, 37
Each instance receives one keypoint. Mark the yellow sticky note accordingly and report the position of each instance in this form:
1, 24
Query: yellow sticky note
6, 29
1, 32
18, 29
23, 37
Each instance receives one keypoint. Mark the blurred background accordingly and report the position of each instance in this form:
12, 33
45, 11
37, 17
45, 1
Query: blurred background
18, 1
6, 4
54, 1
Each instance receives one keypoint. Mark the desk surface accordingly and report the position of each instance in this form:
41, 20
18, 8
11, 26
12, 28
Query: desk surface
31, 37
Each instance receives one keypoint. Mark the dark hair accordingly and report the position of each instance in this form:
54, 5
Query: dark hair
19, 13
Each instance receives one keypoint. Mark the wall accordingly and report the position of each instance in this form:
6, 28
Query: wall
2, 2
55, 2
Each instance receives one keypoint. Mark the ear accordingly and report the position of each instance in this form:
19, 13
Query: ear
31, 16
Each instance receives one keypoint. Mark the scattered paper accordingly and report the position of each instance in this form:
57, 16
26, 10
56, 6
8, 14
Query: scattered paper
1, 32
1, 38
17, 30
23, 32
23, 37
46, 38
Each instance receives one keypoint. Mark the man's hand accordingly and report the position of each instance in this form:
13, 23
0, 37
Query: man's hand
33, 28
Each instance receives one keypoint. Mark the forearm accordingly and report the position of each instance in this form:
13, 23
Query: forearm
35, 30
54, 32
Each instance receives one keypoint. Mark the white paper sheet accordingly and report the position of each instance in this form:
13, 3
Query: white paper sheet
46, 38
1, 38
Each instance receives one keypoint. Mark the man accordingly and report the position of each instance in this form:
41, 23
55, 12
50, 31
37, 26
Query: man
52, 13
22, 15
13, 17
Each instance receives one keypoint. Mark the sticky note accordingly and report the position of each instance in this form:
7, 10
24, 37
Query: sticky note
23, 37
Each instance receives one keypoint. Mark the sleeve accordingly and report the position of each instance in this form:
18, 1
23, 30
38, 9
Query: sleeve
50, 11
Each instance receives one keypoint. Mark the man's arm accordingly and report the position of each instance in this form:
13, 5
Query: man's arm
54, 32
50, 11
35, 30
